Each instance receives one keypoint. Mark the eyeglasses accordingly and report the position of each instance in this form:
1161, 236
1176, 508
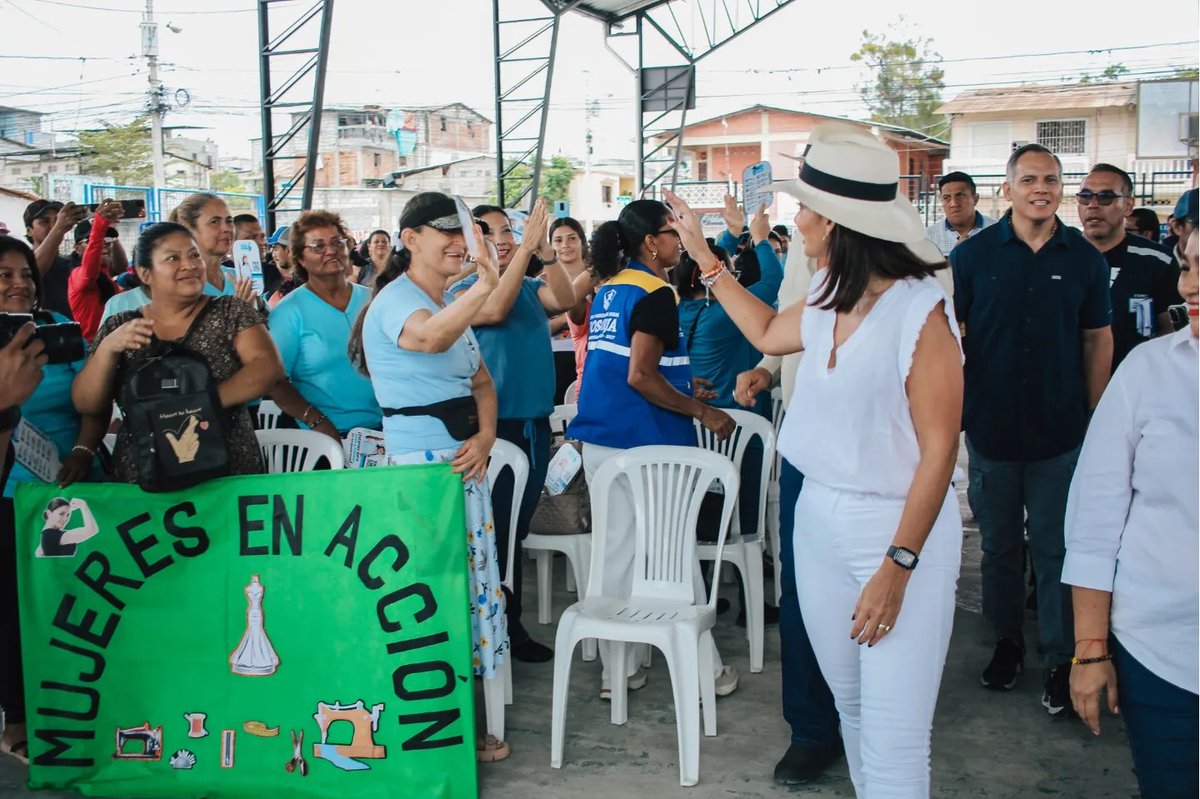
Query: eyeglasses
1106, 197
338, 245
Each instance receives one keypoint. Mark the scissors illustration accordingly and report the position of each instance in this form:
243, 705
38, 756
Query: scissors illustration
297, 763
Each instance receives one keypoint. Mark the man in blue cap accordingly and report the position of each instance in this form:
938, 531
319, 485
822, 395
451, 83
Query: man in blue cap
1182, 224
278, 265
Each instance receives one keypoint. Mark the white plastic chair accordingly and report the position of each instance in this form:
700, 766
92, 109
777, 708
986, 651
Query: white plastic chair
662, 610
298, 450
268, 415
497, 692
575, 547
571, 395
745, 552
773, 529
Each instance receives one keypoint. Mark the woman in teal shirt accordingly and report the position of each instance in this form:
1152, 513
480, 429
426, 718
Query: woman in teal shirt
311, 327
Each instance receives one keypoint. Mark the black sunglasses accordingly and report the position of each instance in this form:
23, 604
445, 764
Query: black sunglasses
1106, 197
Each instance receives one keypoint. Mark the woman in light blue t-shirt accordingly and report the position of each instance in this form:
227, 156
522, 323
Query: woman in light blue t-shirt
311, 327
438, 400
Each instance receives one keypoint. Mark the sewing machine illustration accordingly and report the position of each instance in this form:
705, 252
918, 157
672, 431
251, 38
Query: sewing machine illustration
147, 738
362, 744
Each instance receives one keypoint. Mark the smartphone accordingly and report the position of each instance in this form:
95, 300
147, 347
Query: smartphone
130, 209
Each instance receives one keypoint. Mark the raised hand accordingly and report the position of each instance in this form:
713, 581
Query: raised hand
735, 218
111, 210
686, 223
133, 335
760, 226
487, 261
534, 239
21, 362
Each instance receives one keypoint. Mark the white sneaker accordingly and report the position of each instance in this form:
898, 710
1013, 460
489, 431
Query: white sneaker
636, 681
727, 681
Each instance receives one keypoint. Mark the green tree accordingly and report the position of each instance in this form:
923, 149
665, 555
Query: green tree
906, 81
1186, 73
120, 152
1111, 73
226, 181
554, 183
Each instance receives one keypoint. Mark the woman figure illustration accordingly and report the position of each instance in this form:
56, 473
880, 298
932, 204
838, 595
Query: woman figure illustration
57, 540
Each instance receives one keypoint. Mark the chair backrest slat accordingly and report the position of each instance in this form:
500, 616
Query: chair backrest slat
667, 485
298, 450
748, 426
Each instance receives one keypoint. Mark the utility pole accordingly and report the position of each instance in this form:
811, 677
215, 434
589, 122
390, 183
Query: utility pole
154, 94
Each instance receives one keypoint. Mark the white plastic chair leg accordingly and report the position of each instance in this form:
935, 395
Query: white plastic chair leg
545, 577
753, 579
580, 562
708, 683
685, 684
571, 584
618, 680
493, 702
508, 679
563, 649
647, 656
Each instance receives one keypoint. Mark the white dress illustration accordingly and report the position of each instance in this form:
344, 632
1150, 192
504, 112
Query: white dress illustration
254, 656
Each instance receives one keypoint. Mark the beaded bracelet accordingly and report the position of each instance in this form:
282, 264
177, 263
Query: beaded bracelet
710, 278
81, 448
1089, 661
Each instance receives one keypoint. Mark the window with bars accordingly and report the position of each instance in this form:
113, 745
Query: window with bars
1063, 137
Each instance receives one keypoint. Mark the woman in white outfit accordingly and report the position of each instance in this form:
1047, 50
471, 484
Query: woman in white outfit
873, 424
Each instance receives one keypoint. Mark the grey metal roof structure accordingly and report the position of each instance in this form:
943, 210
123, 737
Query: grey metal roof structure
526, 41
292, 65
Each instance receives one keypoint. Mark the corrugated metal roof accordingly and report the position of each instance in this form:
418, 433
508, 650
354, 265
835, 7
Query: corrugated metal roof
1042, 97
613, 10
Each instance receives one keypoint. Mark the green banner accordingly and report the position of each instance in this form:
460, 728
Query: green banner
278, 635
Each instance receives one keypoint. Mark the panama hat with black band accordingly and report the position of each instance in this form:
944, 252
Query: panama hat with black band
853, 179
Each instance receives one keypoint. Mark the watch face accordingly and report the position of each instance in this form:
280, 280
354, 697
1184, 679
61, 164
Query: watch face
905, 558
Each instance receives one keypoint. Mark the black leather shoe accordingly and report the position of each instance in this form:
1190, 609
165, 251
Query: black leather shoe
770, 616
530, 651
801, 764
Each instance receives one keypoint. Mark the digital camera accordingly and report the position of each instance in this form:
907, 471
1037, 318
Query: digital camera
63, 341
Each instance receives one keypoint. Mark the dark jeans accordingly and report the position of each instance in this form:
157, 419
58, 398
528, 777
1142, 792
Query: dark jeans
1161, 720
533, 437
1005, 493
12, 691
807, 702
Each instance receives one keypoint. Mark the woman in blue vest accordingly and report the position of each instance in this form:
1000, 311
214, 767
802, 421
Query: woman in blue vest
513, 329
637, 381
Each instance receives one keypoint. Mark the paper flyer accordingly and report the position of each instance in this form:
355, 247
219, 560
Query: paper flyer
247, 262
36, 452
563, 469
756, 191
364, 448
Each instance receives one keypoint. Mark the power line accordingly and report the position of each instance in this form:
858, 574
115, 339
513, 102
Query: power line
138, 11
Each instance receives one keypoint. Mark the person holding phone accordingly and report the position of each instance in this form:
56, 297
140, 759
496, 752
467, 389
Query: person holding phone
414, 341
513, 330
874, 427
91, 285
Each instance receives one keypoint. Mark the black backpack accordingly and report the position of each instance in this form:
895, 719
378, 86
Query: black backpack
174, 418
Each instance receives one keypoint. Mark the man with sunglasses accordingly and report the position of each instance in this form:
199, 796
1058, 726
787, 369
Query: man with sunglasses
1142, 274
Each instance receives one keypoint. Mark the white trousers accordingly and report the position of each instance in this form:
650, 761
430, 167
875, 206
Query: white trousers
885, 694
618, 568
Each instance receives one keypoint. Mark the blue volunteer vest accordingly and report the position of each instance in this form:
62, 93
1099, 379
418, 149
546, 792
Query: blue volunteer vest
611, 413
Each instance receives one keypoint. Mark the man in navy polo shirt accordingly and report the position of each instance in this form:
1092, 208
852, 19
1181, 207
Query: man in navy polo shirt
1032, 295
1142, 275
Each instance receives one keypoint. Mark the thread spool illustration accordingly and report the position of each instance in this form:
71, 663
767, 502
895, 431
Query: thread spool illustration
196, 724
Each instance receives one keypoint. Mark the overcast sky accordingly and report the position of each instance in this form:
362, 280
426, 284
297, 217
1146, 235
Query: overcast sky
418, 52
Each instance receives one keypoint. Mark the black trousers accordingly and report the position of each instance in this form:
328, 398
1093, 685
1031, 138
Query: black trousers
12, 689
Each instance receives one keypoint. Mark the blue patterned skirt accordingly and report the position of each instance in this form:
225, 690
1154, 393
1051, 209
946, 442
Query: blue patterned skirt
489, 627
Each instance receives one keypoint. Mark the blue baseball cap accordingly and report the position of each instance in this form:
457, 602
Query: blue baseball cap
1186, 207
280, 236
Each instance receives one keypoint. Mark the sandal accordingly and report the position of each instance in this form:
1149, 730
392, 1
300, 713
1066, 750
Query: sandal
18, 750
490, 749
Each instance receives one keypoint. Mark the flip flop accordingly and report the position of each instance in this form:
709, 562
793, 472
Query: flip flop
18, 750
490, 749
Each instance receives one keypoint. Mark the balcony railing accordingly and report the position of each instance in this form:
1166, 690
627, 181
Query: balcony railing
365, 134
703, 194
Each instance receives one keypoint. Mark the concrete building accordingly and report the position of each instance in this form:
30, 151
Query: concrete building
1083, 124
715, 152
600, 190
362, 147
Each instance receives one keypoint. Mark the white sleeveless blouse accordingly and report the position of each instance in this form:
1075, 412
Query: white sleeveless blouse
850, 427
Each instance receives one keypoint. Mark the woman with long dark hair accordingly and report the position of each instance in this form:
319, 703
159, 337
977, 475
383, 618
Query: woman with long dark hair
637, 382
873, 425
570, 246
414, 340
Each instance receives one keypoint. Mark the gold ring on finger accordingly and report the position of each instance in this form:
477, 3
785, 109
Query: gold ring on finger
884, 628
